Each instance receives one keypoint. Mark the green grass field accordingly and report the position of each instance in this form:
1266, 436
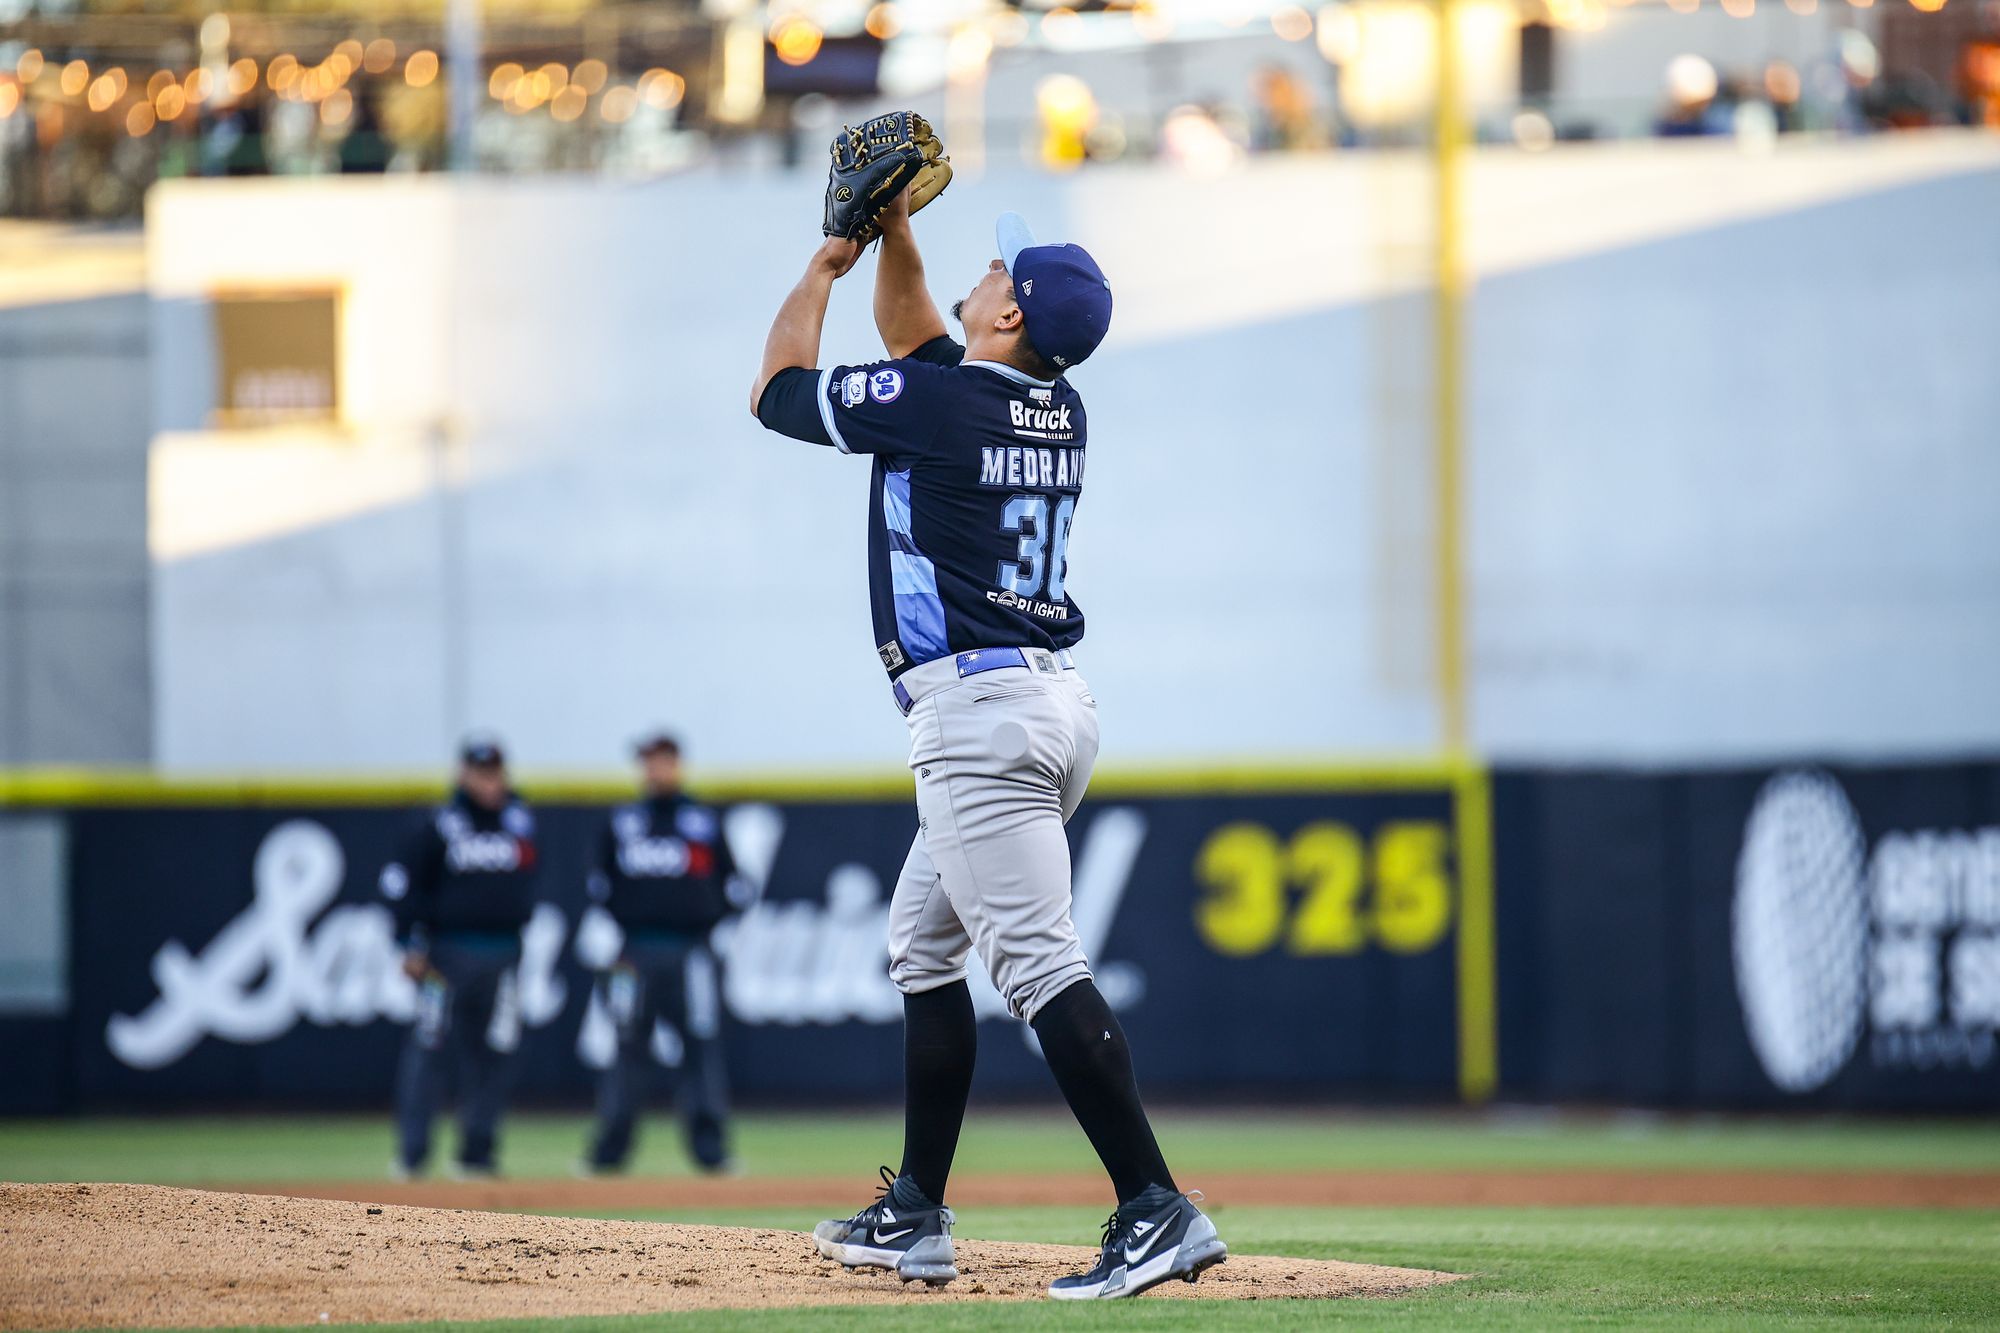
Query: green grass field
1530, 1268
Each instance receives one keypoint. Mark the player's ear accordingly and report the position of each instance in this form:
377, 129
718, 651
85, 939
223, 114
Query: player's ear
1009, 318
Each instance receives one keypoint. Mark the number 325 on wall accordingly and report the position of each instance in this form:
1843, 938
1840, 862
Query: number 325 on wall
1394, 890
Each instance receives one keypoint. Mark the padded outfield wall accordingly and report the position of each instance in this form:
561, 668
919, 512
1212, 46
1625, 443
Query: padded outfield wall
1788, 938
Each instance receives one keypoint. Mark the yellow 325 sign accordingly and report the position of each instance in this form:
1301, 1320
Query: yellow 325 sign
1394, 890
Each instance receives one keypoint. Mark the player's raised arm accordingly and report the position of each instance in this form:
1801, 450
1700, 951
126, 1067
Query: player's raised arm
905, 315
794, 337
892, 163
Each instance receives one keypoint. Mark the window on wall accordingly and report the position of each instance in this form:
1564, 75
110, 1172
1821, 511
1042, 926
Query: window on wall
277, 358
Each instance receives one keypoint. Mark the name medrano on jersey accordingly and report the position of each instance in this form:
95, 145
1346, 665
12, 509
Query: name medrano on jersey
1019, 465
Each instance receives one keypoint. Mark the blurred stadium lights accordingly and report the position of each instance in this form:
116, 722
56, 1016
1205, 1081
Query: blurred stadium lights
254, 85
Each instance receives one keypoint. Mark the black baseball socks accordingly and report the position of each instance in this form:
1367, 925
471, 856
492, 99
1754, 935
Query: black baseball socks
940, 1040
1087, 1053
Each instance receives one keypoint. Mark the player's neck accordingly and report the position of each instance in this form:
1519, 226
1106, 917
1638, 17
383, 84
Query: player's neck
1002, 351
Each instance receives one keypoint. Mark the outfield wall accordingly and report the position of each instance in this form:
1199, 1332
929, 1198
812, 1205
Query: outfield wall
1755, 938
1729, 471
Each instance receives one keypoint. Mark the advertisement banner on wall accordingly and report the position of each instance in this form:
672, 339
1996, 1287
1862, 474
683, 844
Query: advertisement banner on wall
1793, 938
1312, 941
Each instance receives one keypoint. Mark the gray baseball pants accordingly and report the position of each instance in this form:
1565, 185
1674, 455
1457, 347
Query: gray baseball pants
1001, 759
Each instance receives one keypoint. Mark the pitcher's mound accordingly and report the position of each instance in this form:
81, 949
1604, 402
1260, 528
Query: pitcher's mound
84, 1256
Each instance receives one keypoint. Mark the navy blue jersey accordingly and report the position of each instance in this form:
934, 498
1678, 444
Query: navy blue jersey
978, 469
663, 865
465, 870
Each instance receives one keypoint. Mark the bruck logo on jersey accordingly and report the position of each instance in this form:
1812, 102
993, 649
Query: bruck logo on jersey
854, 388
1046, 423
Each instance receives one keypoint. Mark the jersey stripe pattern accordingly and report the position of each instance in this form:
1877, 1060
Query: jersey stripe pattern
912, 577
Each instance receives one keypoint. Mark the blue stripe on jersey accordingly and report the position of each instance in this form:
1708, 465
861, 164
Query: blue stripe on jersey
913, 579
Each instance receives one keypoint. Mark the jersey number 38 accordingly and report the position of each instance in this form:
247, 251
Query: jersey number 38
1043, 552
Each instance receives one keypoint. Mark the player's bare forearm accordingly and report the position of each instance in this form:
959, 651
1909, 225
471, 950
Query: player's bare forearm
794, 337
905, 315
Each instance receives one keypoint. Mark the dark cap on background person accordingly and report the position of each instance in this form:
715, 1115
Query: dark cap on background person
657, 741
482, 752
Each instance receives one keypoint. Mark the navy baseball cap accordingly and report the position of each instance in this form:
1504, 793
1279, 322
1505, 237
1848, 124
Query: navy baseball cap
1064, 298
482, 752
659, 738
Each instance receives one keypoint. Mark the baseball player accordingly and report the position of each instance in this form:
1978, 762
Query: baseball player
979, 459
665, 876
461, 891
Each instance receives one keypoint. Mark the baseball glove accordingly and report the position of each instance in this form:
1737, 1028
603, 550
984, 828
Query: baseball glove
870, 164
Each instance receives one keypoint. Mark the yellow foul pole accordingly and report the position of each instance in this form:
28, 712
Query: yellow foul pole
1448, 144
1478, 1024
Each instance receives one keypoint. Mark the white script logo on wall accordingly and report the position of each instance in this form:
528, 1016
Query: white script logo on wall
1832, 943
796, 961
279, 961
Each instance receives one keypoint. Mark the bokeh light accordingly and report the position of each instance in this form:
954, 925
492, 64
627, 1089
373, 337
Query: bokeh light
569, 104
1292, 23
883, 22
421, 69
797, 40
500, 83
662, 89
618, 104
1062, 27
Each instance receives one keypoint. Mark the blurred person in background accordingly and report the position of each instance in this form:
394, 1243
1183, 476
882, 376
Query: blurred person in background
665, 877
233, 138
1694, 102
1287, 118
461, 892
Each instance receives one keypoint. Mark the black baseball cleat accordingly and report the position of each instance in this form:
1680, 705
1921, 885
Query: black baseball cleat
1157, 1236
914, 1241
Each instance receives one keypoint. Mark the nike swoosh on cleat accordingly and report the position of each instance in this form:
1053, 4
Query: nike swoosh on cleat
1133, 1256
884, 1237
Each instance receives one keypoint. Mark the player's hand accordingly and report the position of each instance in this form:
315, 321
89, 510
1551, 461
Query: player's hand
896, 213
416, 966
836, 255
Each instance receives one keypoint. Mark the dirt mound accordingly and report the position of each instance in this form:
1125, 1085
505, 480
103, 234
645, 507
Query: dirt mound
1335, 1189
80, 1256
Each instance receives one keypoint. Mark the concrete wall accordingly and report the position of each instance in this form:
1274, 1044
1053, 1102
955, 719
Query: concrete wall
1732, 489
75, 416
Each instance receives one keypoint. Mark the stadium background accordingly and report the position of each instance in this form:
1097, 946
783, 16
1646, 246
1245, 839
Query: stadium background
1543, 576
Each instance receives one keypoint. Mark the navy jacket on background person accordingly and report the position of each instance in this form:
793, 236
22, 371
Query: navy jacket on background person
664, 873
468, 871
663, 868
461, 892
